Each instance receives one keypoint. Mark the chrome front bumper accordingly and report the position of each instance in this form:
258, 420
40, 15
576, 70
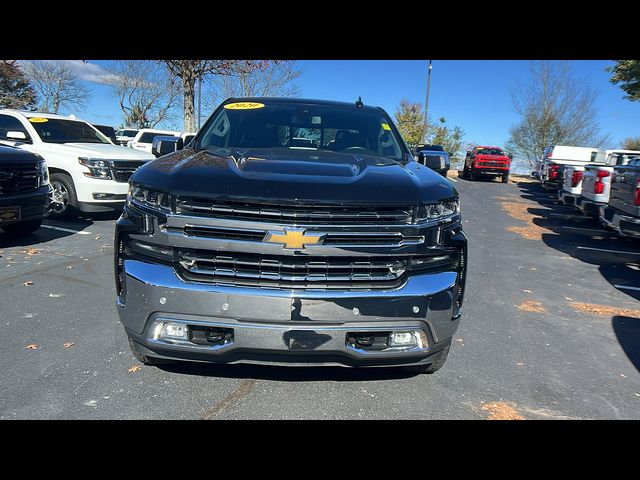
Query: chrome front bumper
286, 326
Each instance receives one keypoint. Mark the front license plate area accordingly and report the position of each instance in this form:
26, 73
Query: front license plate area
9, 214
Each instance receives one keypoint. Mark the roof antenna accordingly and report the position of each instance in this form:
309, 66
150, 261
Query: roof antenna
359, 103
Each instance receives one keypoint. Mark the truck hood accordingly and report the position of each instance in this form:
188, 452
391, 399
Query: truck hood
294, 175
99, 150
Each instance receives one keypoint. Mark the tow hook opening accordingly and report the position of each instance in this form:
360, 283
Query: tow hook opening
210, 335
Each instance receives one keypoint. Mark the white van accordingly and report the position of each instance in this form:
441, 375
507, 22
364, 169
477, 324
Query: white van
557, 156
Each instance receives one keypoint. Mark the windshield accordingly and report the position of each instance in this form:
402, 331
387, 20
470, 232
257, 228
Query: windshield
127, 133
54, 130
303, 127
489, 151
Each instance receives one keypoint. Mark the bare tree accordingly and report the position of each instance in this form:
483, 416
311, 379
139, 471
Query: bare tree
276, 79
57, 85
556, 108
146, 93
188, 71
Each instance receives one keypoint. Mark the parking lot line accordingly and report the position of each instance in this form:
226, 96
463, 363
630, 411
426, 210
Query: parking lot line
610, 251
625, 287
66, 230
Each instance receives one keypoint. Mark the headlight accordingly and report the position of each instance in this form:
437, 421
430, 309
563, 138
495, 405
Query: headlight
97, 168
149, 198
43, 174
438, 211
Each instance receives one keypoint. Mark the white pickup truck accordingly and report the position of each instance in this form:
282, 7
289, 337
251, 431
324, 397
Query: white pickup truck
569, 194
88, 173
596, 180
557, 157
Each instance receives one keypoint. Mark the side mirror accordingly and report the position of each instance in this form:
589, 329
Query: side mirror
12, 135
510, 155
164, 145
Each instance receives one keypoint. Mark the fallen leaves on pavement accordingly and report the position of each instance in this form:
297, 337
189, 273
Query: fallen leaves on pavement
501, 411
520, 211
68, 344
27, 283
31, 251
604, 310
532, 306
32, 346
135, 368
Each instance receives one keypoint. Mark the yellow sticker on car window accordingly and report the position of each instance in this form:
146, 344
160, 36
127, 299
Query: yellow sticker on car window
243, 105
38, 120
386, 126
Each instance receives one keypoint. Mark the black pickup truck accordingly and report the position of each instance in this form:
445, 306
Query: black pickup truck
622, 213
291, 231
25, 192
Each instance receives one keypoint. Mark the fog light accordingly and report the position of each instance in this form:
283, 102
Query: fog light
414, 338
172, 331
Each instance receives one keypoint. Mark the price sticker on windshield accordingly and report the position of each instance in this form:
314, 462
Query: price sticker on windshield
243, 105
386, 126
38, 120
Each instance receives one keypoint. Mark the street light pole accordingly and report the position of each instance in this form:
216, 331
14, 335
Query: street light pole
199, 99
426, 104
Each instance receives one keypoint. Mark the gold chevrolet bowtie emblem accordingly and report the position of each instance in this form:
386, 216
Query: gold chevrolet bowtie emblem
294, 238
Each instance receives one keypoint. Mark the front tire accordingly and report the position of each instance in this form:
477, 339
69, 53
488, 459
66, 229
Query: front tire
431, 367
23, 228
472, 175
65, 200
505, 178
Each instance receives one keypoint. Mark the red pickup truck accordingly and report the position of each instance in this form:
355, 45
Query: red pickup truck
485, 160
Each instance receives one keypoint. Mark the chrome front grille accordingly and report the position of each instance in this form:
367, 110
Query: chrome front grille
290, 272
295, 214
123, 169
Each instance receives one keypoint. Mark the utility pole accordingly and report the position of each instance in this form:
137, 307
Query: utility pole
426, 104
199, 98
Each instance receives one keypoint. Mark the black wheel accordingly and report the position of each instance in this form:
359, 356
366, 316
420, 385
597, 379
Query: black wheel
505, 178
65, 201
23, 228
472, 175
146, 360
431, 367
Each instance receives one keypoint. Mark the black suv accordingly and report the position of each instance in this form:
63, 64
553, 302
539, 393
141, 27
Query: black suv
25, 192
291, 231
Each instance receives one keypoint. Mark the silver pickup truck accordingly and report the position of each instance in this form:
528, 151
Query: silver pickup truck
622, 213
596, 181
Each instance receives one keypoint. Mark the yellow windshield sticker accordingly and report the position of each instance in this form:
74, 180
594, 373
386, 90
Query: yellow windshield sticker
38, 120
243, 105
386, 126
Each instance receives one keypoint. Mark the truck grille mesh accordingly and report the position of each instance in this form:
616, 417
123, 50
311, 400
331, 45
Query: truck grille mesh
295, 214
18, 178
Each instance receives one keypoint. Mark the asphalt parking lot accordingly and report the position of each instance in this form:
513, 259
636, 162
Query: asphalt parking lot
551, 330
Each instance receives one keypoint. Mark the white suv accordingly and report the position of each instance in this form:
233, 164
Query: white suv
88, 173
144, 138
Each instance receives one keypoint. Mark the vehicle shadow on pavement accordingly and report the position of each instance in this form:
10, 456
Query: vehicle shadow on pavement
42, 235
627, 330
288, 374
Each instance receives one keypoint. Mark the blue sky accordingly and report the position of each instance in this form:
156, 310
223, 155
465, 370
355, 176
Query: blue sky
473, 94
